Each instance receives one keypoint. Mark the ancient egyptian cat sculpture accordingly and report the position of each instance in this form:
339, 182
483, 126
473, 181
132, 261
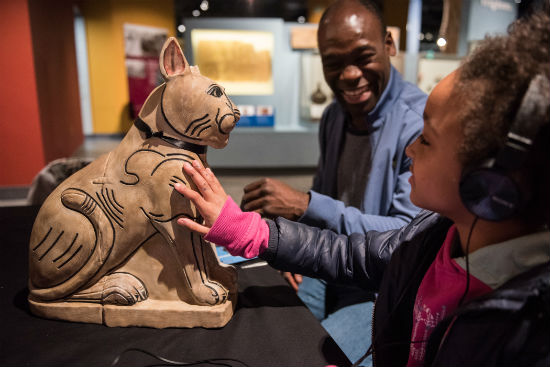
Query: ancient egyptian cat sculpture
105, 246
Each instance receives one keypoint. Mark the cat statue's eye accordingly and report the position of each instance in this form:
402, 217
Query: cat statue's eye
215, 91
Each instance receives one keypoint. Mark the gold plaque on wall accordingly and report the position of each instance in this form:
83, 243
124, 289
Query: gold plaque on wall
303, 37
238, 60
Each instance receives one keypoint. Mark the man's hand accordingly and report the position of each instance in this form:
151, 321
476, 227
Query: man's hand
273, 198
209, 200
293, 279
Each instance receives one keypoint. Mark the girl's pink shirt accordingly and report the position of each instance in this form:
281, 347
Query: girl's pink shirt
438, 296
243, 234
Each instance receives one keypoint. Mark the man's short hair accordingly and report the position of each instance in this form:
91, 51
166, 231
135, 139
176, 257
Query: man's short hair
371, 5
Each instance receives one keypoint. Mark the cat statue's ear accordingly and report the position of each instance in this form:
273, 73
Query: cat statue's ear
172, 61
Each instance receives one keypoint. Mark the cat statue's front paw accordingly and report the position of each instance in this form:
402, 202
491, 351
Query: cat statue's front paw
121, 289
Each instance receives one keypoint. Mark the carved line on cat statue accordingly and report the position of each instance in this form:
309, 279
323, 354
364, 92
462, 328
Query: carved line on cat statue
105, 247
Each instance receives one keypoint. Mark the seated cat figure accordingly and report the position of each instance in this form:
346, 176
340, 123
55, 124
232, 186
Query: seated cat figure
105, 246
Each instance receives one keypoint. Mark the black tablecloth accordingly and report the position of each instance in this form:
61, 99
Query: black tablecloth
270, 327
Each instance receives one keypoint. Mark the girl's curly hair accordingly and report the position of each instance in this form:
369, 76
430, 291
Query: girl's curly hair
491, 84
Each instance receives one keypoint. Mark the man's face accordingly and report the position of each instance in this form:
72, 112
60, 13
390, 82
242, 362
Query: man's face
436, 168
355, 56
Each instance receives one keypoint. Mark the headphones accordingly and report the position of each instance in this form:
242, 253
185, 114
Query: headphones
487, 190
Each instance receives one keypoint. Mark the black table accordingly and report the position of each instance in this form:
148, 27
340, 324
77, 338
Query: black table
270, 327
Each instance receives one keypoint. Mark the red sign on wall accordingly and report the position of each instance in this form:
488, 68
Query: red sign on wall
142, 46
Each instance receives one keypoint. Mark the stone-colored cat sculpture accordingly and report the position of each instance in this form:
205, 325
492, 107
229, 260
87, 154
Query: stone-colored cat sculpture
105, 246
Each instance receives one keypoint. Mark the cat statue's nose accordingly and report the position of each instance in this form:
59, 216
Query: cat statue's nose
228, 121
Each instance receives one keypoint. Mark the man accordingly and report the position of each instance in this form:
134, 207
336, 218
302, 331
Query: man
361, 182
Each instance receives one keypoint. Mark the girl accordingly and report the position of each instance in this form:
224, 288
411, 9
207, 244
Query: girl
469, 281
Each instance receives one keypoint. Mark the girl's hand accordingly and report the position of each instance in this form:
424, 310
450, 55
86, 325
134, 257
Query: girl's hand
209, 200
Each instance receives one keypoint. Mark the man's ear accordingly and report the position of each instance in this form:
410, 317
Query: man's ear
172, 61
390, 44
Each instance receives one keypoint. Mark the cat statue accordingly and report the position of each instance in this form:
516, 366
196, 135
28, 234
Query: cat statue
105, 247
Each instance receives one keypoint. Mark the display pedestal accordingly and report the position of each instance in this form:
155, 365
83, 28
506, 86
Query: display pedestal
149, 313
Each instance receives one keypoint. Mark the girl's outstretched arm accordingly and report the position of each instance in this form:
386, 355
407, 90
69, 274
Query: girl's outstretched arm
241, 233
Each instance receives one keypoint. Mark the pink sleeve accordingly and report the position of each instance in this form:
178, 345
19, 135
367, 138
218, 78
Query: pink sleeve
241, 233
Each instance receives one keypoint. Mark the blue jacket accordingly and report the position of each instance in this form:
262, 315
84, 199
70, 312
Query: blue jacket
506, 327
395, 122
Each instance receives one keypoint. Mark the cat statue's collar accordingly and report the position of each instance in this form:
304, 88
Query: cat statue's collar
195, 148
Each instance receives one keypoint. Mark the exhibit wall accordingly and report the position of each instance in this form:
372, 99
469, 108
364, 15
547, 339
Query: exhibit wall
39, 98
56, 77
19, 104
106, 57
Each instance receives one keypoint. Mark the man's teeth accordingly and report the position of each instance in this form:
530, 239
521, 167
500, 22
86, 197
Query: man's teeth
355, 92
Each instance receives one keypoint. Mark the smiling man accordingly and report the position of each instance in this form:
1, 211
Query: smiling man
355, 49
361, 182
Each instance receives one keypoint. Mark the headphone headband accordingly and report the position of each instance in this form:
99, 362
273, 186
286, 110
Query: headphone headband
487, 190
526, 125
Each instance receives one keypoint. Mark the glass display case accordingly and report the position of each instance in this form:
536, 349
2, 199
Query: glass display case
253, 59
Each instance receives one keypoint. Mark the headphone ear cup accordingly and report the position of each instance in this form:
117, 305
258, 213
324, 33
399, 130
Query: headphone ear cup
490, 194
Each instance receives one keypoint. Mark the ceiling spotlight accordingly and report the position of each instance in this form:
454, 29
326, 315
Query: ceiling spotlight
204, 5
441, 42
181, 28
196, 13
301, 19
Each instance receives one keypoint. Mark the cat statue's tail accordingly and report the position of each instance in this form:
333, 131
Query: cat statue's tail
83, 203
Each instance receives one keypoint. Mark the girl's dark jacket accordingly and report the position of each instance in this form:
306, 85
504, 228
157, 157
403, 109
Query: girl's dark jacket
510, 326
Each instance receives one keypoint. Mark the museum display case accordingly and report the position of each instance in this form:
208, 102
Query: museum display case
272, 127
